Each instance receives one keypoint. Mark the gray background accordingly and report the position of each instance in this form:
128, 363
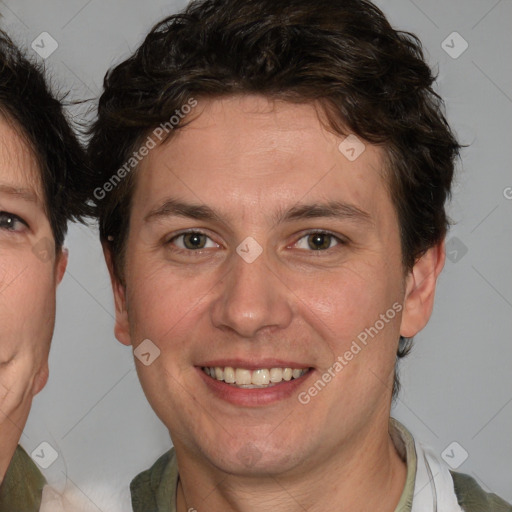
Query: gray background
457, 384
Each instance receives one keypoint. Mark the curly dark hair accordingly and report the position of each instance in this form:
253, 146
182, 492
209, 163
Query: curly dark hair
370, 80
27, 101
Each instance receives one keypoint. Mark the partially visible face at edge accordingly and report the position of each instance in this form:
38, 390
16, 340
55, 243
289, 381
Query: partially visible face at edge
29, 274
248, 167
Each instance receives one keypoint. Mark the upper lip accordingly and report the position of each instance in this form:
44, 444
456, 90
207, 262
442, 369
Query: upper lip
254, 364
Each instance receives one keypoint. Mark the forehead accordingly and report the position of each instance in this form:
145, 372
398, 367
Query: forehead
19, 169
237, 128
248, 152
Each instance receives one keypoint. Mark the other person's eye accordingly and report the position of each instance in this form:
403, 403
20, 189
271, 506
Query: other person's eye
193, 241
318, 241
11, 222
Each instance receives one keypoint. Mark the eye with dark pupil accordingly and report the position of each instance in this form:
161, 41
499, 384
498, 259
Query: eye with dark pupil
7, 221
194, 240
318, 241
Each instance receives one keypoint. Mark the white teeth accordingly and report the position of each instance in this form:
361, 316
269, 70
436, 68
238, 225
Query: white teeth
229, 375
242, 376
262, 377
276, 375
296, 373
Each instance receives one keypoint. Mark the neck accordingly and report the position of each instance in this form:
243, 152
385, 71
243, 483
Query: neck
367, 474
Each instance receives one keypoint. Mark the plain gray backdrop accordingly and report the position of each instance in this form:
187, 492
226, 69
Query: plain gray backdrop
457, 383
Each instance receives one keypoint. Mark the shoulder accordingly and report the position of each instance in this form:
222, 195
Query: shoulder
472, 498
155, 484
23, 484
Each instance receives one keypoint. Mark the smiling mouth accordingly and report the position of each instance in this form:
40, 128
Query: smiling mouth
254, 379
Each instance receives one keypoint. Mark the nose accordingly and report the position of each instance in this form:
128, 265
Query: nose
253, 297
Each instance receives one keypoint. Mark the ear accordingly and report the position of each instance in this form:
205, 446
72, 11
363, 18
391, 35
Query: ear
420, 287
122, 327
61, 264
40, 379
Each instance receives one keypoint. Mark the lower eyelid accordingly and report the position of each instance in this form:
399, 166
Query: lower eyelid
340, 241
172, 240
17, 221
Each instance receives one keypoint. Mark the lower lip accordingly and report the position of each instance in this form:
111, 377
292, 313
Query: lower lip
256, 396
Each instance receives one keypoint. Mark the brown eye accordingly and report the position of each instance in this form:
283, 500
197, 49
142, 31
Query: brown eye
193, 241
11, 222
319, 241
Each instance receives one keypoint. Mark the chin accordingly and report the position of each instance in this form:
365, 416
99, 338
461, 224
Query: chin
249, 460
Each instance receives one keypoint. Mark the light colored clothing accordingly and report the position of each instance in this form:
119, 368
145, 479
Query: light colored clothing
429, 485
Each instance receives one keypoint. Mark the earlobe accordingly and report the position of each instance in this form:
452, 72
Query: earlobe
420, 290
61, 265
40, 380
121, 328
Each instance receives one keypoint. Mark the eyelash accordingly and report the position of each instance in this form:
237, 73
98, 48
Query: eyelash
338, 239
15, 219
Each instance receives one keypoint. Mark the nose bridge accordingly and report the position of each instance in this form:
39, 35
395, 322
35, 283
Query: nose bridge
252, 297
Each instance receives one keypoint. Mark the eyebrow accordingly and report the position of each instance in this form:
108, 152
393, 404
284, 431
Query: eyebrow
331, 209
23, 193
175, 208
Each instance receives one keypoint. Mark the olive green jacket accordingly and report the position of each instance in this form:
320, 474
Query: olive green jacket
22, 487
154, 490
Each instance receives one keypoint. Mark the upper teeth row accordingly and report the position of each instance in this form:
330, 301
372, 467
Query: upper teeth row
260, 377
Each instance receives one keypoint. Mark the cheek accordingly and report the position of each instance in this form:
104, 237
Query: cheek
347, 305
162, 306
27, 308
38, 298
164, 310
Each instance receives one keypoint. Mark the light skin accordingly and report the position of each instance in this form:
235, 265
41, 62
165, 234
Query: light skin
264, 168
30, 271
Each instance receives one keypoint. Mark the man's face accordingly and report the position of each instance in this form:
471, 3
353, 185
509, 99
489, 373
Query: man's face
247, 175
29, 274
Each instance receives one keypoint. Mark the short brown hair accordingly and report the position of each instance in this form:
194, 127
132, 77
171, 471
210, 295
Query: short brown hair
370, 79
